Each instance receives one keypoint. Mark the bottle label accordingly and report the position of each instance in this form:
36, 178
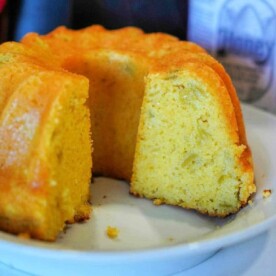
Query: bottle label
242, 36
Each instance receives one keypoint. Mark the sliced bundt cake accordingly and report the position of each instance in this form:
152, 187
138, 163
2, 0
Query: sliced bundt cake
164, 115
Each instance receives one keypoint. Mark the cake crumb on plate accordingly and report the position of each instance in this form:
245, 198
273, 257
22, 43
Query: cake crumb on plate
157, 202
267, 193
24, 236
112, 232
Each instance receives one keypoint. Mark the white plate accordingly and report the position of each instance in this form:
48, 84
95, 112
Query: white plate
152, 240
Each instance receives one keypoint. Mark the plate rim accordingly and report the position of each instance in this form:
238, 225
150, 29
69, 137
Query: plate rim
122, 256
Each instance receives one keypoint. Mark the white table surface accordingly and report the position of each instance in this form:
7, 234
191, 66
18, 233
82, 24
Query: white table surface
251, 258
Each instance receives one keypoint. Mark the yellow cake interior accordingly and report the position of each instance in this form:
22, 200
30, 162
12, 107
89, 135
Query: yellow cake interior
186, 155
115, 99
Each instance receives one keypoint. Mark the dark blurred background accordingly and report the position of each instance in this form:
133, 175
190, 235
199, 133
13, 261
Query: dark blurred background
42, 16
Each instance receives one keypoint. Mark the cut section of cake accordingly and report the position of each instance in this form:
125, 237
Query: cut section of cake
45, 148
188, 148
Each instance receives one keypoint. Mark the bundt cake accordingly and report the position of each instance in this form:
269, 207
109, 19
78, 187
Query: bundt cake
164, 116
